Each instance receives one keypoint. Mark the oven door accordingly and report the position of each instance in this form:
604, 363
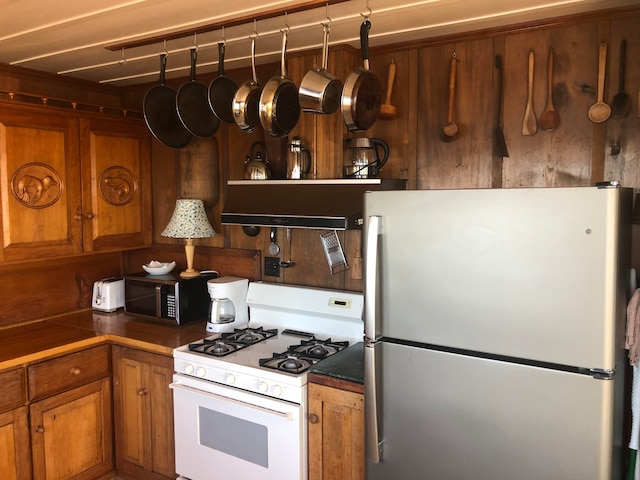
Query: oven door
223, 432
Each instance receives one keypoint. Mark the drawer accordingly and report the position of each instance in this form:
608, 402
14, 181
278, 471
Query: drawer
14, 390
68, 371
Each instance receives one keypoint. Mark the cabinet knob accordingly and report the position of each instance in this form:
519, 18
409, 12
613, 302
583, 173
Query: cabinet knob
142, 391
39, 429
78, 216
88, 216
75, 371
313, 418
82, 216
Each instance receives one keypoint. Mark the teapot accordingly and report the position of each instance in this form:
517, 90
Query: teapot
298, 159
362, 157
256, 167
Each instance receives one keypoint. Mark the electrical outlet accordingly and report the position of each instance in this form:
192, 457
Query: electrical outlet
272, 266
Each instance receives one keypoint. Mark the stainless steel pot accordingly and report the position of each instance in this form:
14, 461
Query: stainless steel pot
320, 91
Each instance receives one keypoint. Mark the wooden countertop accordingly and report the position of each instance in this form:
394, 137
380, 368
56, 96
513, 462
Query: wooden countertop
55, 336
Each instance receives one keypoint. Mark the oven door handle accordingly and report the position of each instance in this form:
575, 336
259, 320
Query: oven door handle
285, 415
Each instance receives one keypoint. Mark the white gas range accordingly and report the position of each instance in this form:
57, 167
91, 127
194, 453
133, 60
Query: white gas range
240, 397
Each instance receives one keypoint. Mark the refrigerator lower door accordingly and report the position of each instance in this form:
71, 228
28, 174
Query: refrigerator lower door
445, 416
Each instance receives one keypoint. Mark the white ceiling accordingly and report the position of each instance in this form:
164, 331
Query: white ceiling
69, 36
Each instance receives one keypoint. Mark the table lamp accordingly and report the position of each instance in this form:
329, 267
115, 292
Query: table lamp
189, 221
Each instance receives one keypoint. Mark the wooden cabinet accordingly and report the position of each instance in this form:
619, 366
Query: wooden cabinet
15, 449
143, 406
72, 184
72, 433
70, 419
116, 184
336, 431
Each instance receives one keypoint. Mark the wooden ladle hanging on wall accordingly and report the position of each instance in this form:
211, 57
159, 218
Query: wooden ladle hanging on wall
450, 130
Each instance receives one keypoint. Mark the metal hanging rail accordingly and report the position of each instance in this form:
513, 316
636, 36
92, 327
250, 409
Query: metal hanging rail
301, 7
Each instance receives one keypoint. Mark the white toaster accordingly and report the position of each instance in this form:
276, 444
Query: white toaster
108, 294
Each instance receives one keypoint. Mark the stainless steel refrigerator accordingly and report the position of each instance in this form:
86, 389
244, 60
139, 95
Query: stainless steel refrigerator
494, 333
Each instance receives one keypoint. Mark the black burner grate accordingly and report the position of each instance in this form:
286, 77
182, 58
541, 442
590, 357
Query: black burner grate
230, 342
298, 358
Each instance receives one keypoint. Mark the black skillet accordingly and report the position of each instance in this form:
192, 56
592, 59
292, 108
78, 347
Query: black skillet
221, 91
192, 104
160, 115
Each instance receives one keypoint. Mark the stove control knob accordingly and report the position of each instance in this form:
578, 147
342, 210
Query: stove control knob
276, 390
263, 387
188, 369
201, 371
230, 378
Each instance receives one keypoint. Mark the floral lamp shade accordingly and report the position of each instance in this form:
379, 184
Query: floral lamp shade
189, 221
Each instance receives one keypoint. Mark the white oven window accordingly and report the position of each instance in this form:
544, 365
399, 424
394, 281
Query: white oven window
234, 436
223, 432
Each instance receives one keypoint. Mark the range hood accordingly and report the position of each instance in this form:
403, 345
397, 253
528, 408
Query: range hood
321, 204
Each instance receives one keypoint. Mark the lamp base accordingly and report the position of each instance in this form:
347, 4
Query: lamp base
189, 273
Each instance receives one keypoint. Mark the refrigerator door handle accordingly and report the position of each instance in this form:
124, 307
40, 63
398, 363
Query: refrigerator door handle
371, 277
373, 445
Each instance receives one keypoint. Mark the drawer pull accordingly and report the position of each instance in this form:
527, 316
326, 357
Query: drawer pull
313, 418
75, 371
39, 429
142, 391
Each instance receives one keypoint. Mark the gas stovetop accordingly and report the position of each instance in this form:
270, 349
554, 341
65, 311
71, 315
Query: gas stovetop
291, 329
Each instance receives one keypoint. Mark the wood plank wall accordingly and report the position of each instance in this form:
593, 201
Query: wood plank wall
577, 153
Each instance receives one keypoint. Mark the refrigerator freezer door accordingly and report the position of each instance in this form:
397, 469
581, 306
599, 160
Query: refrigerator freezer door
530, 273
451, 417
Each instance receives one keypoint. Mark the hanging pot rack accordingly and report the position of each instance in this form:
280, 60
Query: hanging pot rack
273, 13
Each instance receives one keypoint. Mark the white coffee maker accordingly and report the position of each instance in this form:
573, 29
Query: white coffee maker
228, 309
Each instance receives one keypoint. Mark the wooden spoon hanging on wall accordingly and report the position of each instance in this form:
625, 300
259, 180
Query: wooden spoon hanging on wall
450, 130
600, 111
550, 119
529, 123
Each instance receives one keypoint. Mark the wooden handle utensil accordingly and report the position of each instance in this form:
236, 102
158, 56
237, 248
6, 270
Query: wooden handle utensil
450, 130
529, 122
388, 111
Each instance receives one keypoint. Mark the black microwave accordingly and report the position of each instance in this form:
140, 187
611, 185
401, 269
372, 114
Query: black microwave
168, 298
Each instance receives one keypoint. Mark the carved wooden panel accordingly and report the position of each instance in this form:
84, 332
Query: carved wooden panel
39, 168
116, 208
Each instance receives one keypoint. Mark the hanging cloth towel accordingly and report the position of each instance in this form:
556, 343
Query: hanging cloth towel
632, 343
632, 340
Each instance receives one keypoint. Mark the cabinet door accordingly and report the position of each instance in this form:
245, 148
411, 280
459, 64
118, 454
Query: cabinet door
39, 170
336, 434
143, 406
116, 183
15, 451
71, 433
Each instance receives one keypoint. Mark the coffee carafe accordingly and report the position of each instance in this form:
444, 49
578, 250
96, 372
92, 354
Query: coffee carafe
362, 157
298, 160
228, 308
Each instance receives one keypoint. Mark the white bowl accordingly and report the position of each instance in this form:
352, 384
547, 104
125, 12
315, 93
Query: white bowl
158, 268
